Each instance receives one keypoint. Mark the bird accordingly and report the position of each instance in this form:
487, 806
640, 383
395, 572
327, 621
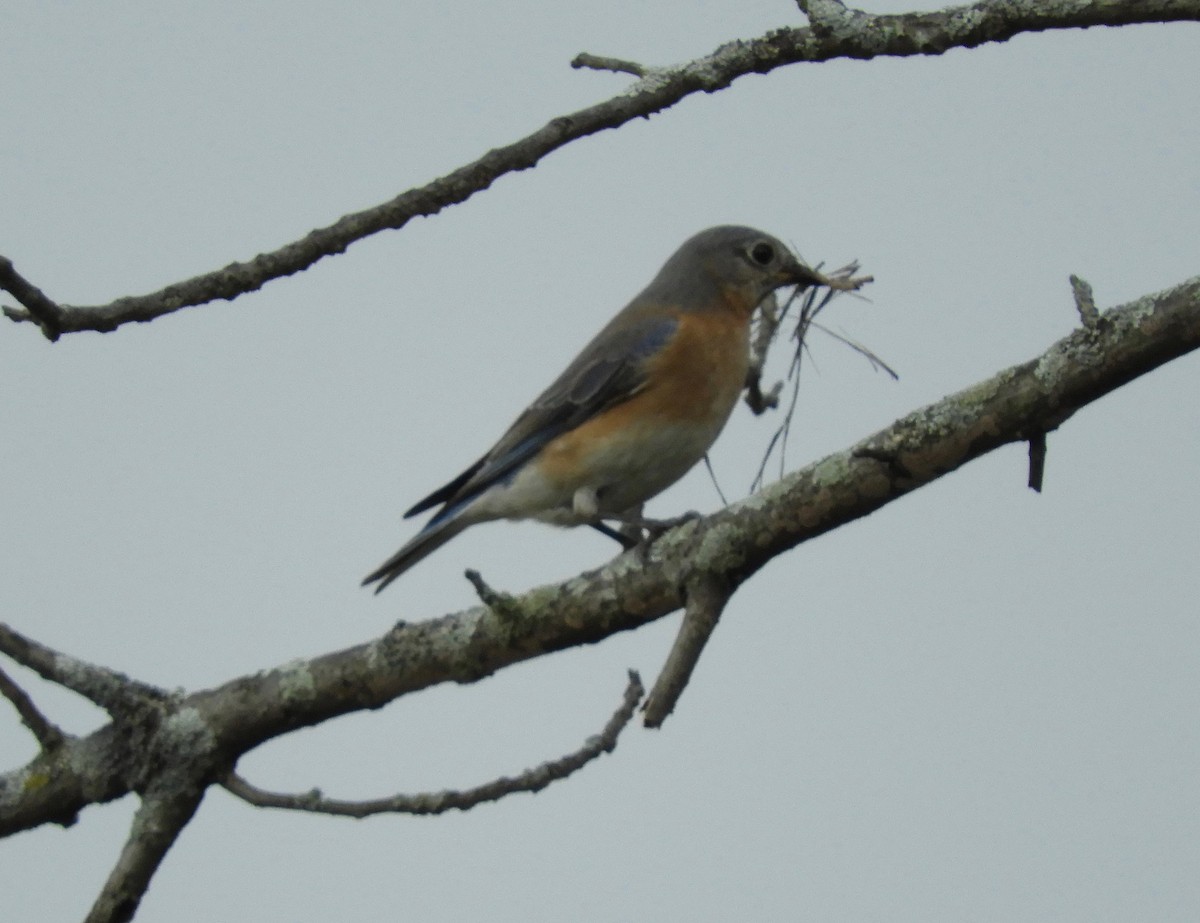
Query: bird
633, 412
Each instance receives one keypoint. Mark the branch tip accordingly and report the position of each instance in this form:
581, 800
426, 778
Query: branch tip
602, 63
1085, 302
1037, 461
503, 604
707, 595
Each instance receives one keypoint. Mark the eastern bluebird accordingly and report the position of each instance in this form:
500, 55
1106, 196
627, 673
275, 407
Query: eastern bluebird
639, 406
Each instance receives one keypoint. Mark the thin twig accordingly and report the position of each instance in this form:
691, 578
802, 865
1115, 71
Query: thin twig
532, 780
839, 281
706, 599
114, 692
769, 317
48, 734
713, 477
873, 358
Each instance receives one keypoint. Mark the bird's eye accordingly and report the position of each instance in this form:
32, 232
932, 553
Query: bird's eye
762, 253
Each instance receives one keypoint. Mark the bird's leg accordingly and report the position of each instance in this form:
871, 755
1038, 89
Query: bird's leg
654, 527
586, 504
625, 541
633, 522
633, 528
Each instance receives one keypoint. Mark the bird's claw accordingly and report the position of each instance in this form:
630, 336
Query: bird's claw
655, 528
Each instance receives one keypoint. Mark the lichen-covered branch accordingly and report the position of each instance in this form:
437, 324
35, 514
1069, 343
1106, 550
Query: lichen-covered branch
210, 729
112, 691
835, 33
169, 749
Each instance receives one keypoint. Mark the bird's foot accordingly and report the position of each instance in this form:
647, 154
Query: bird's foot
623, 535
656, 527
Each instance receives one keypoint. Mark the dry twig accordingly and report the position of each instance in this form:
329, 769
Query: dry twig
531, 780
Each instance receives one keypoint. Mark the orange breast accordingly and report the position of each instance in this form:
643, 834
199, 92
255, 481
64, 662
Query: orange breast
702, 370
651, 440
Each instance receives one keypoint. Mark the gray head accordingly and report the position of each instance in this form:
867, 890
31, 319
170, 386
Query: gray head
740, 264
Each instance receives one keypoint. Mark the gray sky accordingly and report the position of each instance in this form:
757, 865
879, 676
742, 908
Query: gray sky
978, 704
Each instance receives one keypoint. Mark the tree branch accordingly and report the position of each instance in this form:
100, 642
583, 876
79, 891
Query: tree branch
833, 35
156, 826
532, 780
616, 65
114, 692
212, 728
706, 598
38, 308
48, 735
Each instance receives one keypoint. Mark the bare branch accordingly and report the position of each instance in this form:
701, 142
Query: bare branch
112, 691
853, 35
156, 825
706, 599
532, 780
48, 735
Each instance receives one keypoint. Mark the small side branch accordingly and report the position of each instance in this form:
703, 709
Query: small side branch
532, 780
1037, 461
616, 65
156, 825
1085, 303
48, 735
503, 604
38, 308
825, 16
706, 599
114, 692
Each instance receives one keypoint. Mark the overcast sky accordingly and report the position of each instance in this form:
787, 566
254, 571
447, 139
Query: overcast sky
977, 704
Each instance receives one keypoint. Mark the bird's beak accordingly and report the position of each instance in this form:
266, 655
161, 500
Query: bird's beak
796, 273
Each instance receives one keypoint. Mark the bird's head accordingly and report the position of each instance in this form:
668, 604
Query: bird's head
741, 262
